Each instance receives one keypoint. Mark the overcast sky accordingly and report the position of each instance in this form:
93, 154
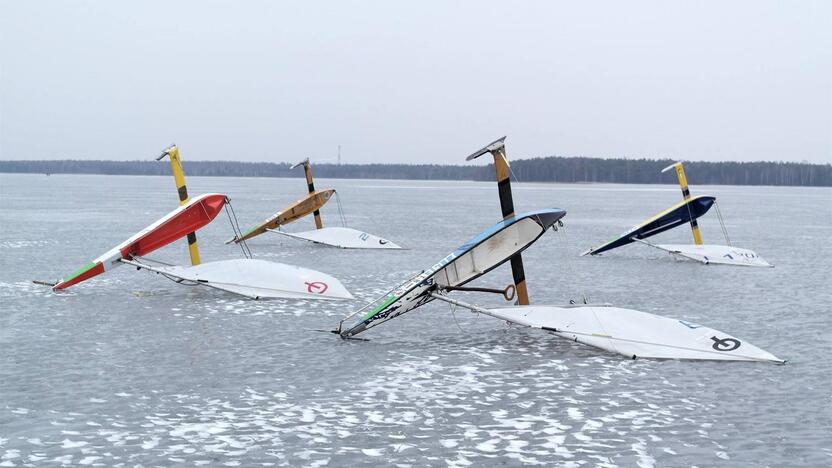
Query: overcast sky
416, 82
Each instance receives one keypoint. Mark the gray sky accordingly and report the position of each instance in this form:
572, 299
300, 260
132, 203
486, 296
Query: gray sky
415, 82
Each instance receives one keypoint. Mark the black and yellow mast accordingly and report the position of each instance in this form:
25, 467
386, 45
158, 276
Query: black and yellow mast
307, 169
683, 183
497, 149
179, 178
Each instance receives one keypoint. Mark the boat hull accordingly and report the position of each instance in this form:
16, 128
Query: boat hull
682, 213
177, 224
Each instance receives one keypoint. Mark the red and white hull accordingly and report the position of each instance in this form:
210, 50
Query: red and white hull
178, 223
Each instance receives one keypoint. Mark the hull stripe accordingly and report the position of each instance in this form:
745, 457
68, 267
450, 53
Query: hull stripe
84, 273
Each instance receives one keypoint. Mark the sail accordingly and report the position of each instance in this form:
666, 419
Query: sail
483, 253
343, 238
634, 334
175, 225
715, 254
681, 213
256, 279
308, 204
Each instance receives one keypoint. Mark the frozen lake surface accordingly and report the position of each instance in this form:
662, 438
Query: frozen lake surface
130, 368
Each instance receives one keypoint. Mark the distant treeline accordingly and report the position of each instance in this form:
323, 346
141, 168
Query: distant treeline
548, 169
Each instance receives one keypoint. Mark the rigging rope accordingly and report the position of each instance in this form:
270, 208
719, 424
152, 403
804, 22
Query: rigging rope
453, 314
235, 227
175, 279
568, 268
722, 223
340, 210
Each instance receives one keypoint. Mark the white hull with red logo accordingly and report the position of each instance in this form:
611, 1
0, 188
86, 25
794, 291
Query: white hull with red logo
257, 279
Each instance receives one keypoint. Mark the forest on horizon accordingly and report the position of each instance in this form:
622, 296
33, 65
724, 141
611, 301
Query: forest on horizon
545, 169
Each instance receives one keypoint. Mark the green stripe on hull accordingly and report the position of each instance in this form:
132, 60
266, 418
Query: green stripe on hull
89, 266
390, 299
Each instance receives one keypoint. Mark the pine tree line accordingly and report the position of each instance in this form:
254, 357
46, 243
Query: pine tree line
548, 169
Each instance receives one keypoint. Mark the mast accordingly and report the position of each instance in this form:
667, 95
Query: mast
179, 179
683, 183
307, 169
497, 149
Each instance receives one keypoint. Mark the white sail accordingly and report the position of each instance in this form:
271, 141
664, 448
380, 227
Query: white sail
633, 333
341, 237
715, 254
257, 279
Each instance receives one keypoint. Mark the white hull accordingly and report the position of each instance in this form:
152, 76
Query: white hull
342, 237
634, 334
259, 279
715, 254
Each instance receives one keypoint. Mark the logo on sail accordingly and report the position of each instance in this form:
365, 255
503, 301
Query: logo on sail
316, 287
725, 344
